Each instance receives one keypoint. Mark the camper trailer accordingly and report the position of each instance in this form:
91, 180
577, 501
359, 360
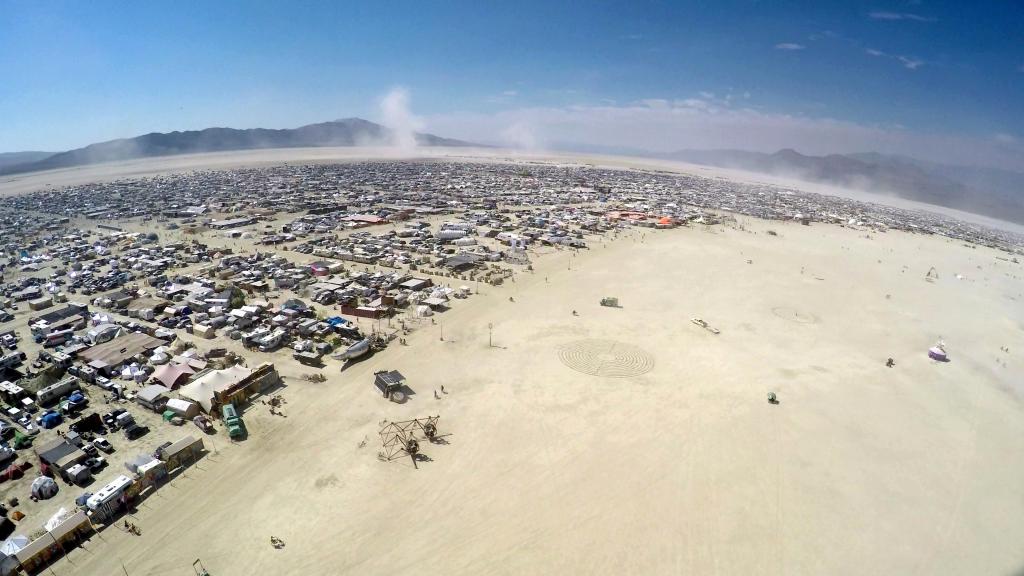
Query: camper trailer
53, 392
108, 494
271, 341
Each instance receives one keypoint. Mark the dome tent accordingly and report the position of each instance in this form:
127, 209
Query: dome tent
44, 487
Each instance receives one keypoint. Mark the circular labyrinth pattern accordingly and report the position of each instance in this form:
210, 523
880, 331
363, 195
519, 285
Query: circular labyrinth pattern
606, 358
794, 315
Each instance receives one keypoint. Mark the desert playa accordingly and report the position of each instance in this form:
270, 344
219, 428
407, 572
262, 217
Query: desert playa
588, 439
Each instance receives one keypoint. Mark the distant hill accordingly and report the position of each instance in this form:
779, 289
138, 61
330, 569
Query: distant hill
995, 193
14, 158
347, 132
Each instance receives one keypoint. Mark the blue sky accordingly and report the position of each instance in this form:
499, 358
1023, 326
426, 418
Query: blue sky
925, 77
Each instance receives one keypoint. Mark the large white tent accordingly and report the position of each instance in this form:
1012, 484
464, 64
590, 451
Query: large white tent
202, 389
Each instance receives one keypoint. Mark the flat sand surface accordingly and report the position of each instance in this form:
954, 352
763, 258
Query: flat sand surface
631, 441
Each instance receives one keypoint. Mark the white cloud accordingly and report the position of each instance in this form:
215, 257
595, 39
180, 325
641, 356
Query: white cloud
1004, 138
663, 125
910, 63
506, 97
789, 46
883, 15
632, 37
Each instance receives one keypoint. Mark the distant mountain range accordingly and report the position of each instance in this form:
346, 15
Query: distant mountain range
347, 132
985, 191
14, 158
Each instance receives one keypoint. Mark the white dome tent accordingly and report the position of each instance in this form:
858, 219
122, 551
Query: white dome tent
44, 488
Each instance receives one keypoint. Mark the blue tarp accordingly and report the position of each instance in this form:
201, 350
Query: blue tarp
50, 420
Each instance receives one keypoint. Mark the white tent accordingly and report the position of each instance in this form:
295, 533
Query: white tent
202, 389
11, 546
44, 487
139, 460
133, 372
57, 519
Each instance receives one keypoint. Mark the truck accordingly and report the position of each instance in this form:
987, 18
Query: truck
309, 358
132, 430
236, 428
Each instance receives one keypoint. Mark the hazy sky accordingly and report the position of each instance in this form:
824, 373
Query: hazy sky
942, 80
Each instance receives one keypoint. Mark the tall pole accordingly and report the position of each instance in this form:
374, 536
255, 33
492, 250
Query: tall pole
490, 328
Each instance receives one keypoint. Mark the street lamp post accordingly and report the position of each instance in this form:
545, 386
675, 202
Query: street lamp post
490, 329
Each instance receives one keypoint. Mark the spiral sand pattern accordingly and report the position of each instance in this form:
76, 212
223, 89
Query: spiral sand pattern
606, 358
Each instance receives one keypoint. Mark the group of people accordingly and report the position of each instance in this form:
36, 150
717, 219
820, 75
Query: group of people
131, 528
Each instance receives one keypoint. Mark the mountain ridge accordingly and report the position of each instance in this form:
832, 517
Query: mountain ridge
344, 132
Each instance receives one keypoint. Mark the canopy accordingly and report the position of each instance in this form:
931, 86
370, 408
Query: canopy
11, 546
57, 519
139, 460
171, 375
202, 389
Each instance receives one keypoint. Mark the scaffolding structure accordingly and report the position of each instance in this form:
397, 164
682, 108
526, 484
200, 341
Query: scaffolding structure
400, 439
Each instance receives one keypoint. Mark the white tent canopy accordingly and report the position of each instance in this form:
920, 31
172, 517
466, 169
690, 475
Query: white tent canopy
202, 389
11, 546
57, 519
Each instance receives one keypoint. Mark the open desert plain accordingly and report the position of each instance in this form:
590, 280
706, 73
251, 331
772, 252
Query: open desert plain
576, 438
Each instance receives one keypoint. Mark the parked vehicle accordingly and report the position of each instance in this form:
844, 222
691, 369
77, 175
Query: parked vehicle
103, 444
233, 421
133, 431
96, 463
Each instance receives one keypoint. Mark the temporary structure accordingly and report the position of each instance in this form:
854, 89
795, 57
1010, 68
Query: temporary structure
182, 408
44, 487
172, 375
203, 389
11, 546
57, 519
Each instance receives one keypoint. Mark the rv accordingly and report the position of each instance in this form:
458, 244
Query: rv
55, 391
270, 342
108, 493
